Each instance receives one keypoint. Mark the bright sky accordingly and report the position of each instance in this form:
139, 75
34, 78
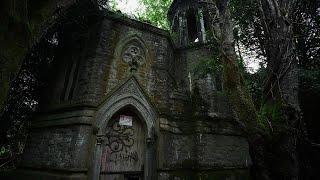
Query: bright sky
131, 7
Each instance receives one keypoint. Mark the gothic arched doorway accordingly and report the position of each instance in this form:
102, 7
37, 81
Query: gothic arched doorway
128, 99
123, 151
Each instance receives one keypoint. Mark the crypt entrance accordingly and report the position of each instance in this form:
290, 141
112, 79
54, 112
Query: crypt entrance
124, 147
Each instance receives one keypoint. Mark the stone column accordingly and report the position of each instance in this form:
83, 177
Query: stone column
180, 31
151, 159
97, 158
202, 28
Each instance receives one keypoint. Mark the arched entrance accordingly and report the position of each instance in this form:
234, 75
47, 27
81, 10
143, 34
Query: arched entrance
124, 147
128, 100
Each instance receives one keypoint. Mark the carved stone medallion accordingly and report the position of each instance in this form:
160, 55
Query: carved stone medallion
133, 55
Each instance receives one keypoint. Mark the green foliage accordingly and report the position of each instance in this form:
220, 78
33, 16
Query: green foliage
306, 26
112, 4
271, 112
5, 155
208, 66
255, 84
151, 11
247, 23
156, 12
264, 124
310, 81
3, 151
309, 95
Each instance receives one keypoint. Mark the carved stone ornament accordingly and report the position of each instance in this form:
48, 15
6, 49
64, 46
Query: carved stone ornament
134, 56
100, 139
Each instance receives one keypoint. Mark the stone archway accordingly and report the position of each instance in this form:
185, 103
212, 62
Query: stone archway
130, 95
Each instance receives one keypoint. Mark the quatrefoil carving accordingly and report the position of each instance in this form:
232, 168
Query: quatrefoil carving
134, 56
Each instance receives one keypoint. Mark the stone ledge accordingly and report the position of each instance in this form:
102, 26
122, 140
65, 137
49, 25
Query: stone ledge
76, 120
32, 174
68, 106
65, 114
215, 174
205, 169
80, 117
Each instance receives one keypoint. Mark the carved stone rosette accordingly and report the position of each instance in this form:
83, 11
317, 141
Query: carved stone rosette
133, 55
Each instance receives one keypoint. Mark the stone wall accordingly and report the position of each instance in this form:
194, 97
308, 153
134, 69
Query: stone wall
58, 148
64, 136
100, 67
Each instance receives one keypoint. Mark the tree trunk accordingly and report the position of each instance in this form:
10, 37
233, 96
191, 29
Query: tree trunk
238, 94
281, 90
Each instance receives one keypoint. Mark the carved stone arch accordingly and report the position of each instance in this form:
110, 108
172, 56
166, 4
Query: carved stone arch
130, 94
119, 102
133, 50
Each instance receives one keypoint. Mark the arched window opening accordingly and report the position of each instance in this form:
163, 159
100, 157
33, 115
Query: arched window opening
192, 26
175, 24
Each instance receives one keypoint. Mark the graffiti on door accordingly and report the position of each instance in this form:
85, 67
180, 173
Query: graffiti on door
124, 147
120, 140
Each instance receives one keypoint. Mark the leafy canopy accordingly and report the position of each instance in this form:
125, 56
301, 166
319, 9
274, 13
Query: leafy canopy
151, 11
156, 12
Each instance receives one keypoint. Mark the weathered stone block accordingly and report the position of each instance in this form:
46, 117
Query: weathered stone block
60, 148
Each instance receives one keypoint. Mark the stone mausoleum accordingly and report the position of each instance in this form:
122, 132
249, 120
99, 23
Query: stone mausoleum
127, 103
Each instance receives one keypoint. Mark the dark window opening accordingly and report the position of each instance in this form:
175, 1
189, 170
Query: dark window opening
175, 24
192, 26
